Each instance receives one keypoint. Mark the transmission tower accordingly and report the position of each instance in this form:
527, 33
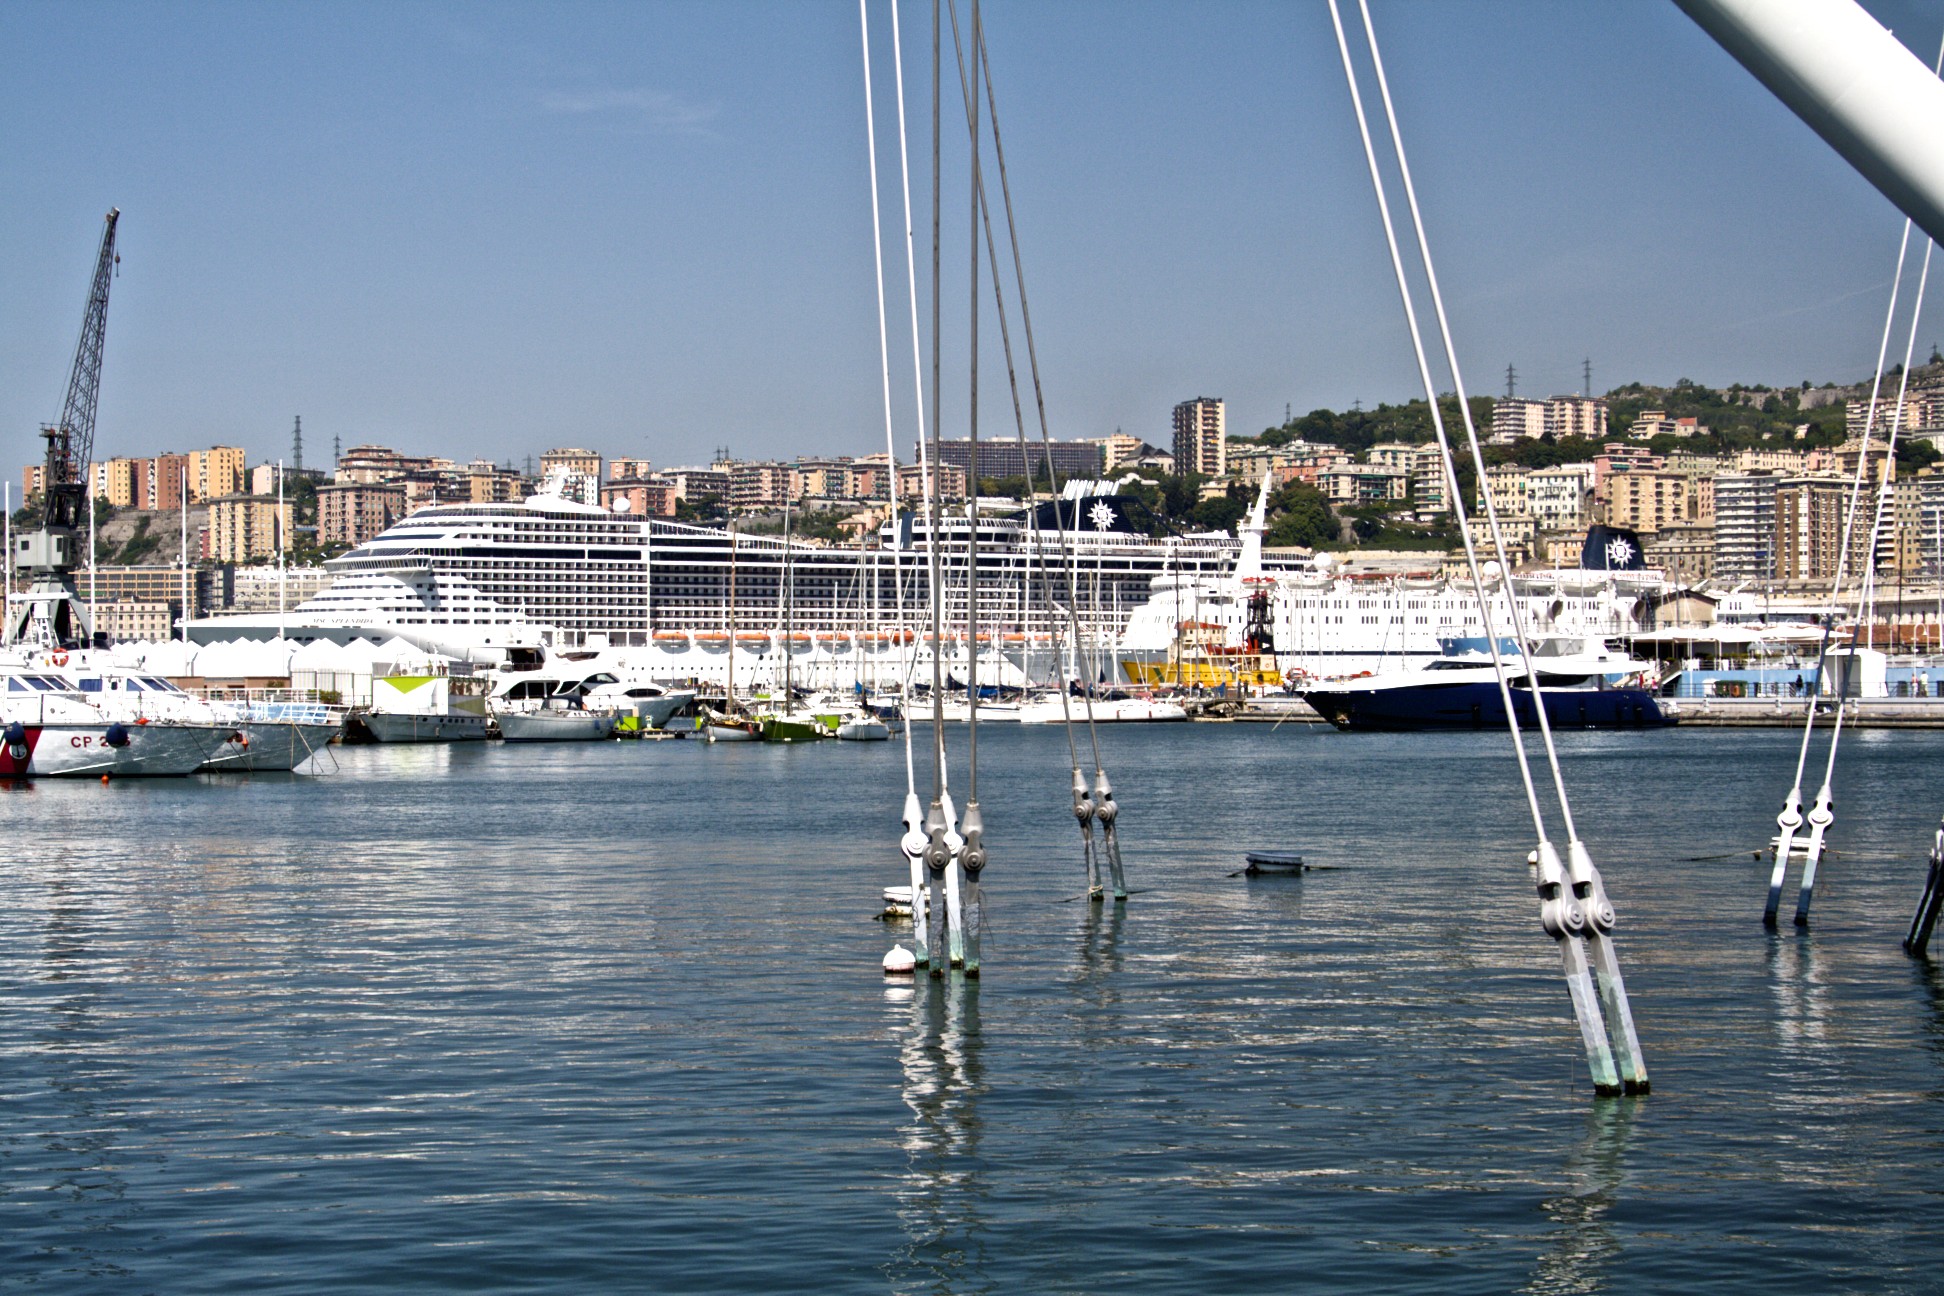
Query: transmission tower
297, 445
1586, 376
1511, 382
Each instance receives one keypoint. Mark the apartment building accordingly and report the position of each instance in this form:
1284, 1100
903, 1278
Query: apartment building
1744, 508
1559, 417
1201, 436
1647, 501
1560, 497
351, 513
246, 528
1653, 423
1508, 486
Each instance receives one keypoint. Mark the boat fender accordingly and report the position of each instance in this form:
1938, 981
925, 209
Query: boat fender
16, 737
117, 736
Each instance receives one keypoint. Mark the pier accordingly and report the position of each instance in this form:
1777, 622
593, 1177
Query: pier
1769, 712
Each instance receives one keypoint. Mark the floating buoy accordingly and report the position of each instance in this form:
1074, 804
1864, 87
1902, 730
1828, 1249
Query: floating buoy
900, 962
104, 778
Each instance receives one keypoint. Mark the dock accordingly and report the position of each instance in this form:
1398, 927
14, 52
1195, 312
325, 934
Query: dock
1784, 713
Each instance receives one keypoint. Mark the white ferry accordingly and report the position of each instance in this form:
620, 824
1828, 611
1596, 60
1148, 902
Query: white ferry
1321, 622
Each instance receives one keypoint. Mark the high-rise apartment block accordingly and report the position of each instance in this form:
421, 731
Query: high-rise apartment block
245, 528
1515, 419
351, 513
1745, 526
1201, 437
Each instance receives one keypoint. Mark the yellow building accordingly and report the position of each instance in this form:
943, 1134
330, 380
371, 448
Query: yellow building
571, 460
246, 528
216, 472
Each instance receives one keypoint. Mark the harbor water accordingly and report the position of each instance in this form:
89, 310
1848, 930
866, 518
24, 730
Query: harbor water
609, 1017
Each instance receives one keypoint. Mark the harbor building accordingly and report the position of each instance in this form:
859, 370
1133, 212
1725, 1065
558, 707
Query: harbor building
574, 460
1201, 436
1653, 423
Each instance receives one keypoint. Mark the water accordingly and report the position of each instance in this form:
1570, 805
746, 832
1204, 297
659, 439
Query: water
609, 1017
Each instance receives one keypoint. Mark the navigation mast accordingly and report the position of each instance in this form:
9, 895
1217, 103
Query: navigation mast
51, 614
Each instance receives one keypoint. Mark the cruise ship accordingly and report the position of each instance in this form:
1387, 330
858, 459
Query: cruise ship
488, 583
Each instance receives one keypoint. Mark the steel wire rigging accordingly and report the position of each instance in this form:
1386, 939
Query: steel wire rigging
1574, 909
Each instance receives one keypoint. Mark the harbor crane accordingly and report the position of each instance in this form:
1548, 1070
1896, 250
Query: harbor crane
50, 615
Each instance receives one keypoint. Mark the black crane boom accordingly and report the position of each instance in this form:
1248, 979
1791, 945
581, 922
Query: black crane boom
70, 443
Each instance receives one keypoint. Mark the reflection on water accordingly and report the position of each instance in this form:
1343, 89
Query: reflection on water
1100, 939
76, 1106
1800, 994
1584, 1242
478, 1018
941, 1196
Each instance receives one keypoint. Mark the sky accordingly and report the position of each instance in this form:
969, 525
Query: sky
484, 230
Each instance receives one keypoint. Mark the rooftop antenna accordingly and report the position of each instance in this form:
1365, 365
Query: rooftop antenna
337, 451
297, 445
1511, 382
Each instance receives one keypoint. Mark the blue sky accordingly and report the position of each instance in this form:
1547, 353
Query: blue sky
645, 228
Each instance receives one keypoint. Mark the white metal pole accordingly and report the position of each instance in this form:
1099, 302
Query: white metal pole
1851, 82
91, 560
185, 555
276, 531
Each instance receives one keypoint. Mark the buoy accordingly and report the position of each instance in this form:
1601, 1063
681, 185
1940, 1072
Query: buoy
104, 778
900, 962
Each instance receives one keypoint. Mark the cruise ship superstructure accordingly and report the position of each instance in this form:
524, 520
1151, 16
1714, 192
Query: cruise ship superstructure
486, 582
480, 582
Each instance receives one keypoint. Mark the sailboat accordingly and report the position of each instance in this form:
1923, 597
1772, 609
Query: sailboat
789, 725
726, 725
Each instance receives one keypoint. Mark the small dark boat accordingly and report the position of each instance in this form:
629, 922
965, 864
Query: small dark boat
1275, 862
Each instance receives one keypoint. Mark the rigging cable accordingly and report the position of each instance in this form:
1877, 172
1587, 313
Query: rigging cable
942, 841
972, 855
1101, 805
1084, 806
1791, 818
1573, 906
912, 843
1823, 813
